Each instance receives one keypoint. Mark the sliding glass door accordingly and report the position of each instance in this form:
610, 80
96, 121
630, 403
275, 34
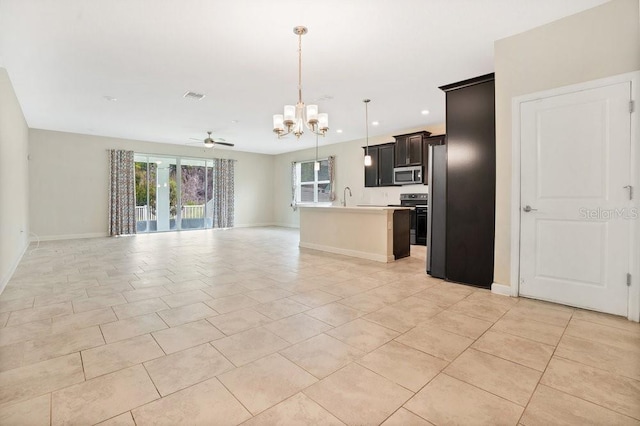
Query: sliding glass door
145, 193
193, 193
173, 193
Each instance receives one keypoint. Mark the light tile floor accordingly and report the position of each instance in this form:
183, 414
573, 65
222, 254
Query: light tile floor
226, 327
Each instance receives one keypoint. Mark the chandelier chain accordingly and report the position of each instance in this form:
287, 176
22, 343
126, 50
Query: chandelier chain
300, 68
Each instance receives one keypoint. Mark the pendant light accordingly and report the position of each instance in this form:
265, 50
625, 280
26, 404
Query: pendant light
367, 157
316, 164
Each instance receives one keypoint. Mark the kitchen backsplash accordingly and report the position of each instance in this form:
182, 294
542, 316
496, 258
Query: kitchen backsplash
389, 194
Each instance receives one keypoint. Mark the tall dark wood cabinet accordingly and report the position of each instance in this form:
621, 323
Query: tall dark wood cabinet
471, 181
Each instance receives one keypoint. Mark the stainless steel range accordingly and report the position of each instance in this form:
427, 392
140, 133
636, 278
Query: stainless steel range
418, 216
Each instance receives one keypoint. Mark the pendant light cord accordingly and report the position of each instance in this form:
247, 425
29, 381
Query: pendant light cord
366, 119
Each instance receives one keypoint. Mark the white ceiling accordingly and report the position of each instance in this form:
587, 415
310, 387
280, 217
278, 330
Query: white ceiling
65, 56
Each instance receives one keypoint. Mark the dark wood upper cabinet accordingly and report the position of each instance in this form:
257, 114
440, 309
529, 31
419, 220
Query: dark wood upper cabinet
471, 181
386, 164
400, 151
408, 149
431, 140
380, 172
371, 172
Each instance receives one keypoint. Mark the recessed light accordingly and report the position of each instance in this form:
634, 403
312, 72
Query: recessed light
193, 95
375, 123
110, 98
234, 121
323, 98
339, 131
424, 112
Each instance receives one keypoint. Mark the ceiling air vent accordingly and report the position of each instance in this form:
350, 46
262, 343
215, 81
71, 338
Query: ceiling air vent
193, 95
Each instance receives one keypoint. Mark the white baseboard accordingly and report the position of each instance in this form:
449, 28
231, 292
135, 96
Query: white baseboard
254, 225
347, 252
12, 269
69, 236
287, 225
106, 234
503, 290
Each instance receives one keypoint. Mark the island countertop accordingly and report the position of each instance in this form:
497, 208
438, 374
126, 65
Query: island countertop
359, 208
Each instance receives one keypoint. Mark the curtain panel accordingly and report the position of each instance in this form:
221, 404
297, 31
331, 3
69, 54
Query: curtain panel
294, 186
223, 193
122, 193
332, 177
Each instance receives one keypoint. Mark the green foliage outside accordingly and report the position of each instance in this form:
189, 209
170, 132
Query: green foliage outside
141, 186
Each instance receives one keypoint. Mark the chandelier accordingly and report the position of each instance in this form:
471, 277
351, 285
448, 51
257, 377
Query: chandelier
295, 118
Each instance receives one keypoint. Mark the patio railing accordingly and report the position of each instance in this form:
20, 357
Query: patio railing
188, 212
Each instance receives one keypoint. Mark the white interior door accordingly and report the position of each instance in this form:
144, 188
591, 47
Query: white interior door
575, 164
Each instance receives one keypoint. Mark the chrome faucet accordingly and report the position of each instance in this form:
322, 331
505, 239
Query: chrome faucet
344, 196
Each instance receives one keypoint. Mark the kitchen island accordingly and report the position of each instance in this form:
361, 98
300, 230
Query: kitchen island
372, 232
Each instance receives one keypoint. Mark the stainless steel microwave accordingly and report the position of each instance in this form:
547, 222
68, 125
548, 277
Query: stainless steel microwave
407, 175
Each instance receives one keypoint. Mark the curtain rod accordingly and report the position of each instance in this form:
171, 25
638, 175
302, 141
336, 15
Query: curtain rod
172, 156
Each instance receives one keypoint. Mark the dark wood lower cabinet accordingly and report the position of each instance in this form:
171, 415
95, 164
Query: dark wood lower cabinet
401, 233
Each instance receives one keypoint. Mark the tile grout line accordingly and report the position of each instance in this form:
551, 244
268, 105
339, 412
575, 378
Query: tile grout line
363, 292
236, 398
545, 369
463, 381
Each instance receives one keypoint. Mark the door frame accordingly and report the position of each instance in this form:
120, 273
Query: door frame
634, 252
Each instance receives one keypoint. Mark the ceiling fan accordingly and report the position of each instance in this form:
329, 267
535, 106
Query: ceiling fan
209, 142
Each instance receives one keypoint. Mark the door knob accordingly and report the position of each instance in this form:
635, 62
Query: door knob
528, 209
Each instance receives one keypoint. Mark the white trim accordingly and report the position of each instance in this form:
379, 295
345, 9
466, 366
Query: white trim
252, 225
347, 252
503, 290
12, 269
287, 225
634, 78
70, 236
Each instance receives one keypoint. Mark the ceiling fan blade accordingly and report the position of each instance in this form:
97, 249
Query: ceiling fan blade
195, 139
224, 143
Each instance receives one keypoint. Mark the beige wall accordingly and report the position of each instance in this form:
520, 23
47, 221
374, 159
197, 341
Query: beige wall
349, 172
593, 44
14, 180
69, 182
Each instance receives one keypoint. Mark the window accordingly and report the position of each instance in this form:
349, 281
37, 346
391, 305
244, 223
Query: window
313, 186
